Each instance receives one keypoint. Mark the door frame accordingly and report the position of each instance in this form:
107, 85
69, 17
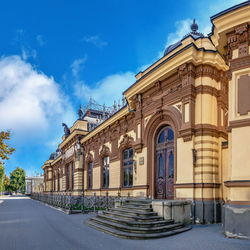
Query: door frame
169, 116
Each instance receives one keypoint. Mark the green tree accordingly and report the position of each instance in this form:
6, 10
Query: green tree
5, 149
17, 180
2, 171
6, 183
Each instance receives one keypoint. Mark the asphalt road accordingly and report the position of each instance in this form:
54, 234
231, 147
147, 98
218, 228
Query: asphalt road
26, 224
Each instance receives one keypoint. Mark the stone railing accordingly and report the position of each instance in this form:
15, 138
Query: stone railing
78, 203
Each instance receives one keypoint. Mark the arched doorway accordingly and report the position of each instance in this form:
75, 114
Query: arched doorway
164, 163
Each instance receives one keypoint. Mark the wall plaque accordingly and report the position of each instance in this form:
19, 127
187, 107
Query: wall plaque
141, 161
69, 152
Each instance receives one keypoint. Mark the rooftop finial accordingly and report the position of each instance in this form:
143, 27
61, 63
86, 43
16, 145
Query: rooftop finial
194, 26
80, 113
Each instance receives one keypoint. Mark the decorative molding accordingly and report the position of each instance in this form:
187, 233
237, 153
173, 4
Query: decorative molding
197, 185
204, 89
239, 63
138, 145
200, 165
239, 123
89, 158
240, 203
237, 183
208, 129
126, 142
210, 71
118, 188
238, 39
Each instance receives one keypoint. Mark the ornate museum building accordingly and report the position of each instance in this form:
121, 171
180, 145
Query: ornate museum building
181, 133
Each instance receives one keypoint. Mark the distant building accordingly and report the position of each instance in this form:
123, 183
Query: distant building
34, 184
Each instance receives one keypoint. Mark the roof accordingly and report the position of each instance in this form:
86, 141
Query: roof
235, 7
194, 34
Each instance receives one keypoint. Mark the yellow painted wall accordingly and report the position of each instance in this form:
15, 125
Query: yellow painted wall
96, 177
184, 161
140, 177
207, 81
114, 174
184, 193
240, 154
239, 194
206, 109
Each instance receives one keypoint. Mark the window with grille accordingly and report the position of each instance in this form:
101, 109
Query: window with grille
90, 175
128, 167
105, 172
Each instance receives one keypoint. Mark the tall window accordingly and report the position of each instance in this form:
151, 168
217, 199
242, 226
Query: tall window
90, 175
72, 176
67, 177
58, 180
54, 181
105, 172
128, 167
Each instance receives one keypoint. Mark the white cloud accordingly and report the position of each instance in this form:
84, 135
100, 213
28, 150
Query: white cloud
107, 90
182, 28
40, 40
145, 66
27, 53
78, 65
31, 103
95, 40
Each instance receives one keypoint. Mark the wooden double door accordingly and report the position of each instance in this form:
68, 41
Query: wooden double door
164, 164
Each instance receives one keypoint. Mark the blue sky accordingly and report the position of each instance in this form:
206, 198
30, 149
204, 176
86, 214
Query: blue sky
56, 54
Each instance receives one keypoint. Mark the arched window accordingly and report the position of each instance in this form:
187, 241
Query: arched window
164, 155
58, 180
54, 181
161, 167
72, 176
90, 175
128, 167
171, 164
105, 172
67, 177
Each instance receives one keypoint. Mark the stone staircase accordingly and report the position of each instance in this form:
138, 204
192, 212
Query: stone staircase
135, 219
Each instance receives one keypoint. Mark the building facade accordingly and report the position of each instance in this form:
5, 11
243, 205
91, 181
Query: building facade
184, 132
34, 184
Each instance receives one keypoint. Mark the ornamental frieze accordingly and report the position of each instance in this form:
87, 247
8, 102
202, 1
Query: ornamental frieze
238, 39
89, 157
105, 151
126, 142
69, 152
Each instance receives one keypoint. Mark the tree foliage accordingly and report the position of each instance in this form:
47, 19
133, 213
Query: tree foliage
2, 171
5, 149
6, 183
17, 180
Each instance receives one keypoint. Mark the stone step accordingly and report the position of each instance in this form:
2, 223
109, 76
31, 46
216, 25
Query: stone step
135, 204
139, 236
143, 209
133, 217
130, 229
140, 201
134, 212
144, 224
